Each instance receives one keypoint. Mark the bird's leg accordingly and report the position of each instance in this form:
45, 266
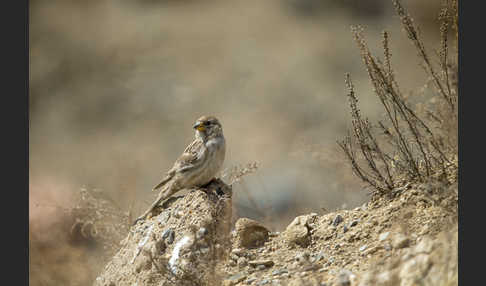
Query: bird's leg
164, 194
205, 187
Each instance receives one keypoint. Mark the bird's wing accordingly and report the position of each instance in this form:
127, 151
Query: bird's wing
189, 158
165, 180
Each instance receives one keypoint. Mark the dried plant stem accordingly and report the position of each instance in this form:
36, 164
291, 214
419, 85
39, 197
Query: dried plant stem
412, 149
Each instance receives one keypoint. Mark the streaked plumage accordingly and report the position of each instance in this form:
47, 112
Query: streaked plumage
198, 164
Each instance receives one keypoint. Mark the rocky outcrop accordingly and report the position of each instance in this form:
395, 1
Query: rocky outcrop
407, 240
181, 245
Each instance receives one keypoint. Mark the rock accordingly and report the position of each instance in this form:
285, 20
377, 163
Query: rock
260, 267
302, 257
363, 248
168, 235
414, 269
190, 259
400, 241
297, 232
310, 267
263, 282
279, 271
337, 220
375, 278
345, 228
387, 278
274, 234
242, 262
372, 250
249, 233
426, 245
408, 215
201, 232
344, 278
354, 223
303, 281
238, 251
297, 235
318, 257
267, 263
383, 236
234, 279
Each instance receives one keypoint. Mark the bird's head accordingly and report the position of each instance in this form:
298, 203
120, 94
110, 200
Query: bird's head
208, 127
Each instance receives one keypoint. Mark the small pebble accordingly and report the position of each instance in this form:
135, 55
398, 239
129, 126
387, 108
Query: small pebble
302, 257
242, 261
319, 256
279, 271
344, 278
311, 267
383, 236
337, 220
273, 234
201, 232
237, 278
363, 248
237, 251
260, 267
354, 223
400, 241
177, 213
168, 235
204, 250
263, 282
267, 263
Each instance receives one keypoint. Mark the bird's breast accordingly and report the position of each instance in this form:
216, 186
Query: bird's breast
215, 152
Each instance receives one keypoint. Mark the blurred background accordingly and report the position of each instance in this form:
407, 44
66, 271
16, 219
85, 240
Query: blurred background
115, 87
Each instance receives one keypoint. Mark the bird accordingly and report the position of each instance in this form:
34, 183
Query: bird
198, 164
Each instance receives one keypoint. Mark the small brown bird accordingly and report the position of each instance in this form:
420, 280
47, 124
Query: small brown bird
197, 165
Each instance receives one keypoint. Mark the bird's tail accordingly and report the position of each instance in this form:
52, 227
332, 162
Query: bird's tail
163, 182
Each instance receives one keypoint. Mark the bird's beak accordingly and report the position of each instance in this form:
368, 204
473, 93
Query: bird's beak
199, 126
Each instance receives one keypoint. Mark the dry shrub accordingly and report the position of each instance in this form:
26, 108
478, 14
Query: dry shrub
97, 218
234, 174
413, 142
74, 249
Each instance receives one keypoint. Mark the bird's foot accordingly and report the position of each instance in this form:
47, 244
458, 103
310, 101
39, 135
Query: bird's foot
142, 217
137, 220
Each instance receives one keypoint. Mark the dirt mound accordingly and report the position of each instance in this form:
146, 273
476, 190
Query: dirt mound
408, 239
398, 241
179, 246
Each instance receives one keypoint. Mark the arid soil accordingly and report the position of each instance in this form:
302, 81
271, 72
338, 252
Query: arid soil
408, 238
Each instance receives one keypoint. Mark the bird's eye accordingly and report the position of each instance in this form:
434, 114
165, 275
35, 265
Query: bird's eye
207, 123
